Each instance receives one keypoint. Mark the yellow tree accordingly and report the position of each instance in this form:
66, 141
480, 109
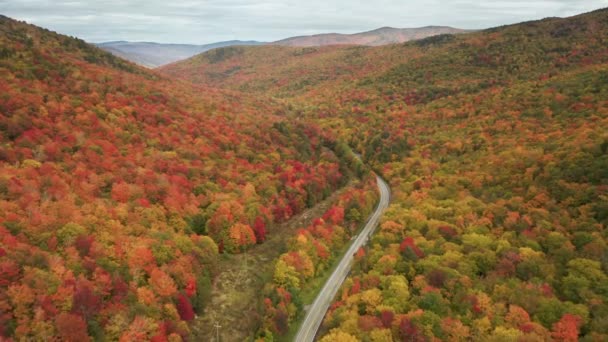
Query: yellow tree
336, 335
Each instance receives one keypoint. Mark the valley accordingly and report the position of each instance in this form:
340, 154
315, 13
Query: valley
249, 186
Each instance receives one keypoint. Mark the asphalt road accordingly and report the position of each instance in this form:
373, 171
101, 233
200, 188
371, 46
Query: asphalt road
319, 307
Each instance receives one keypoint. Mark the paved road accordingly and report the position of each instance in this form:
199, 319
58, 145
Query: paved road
319, 307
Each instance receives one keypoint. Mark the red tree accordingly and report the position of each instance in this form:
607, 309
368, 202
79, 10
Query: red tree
387, 318
71, 328
86, 302
408, 331
567, 328
259, 228
184, 308
409, 246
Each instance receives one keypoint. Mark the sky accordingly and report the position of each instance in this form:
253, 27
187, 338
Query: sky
208, 21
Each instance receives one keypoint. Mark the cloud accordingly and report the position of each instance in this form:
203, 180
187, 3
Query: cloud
205, 21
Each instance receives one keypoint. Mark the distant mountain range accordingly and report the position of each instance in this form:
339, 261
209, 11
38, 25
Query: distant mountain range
154, 54
381, 36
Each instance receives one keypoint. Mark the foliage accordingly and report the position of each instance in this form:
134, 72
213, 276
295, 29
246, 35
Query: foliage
495, 145
118, 186
310, 254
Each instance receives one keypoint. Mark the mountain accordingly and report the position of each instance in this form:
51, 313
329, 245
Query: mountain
381, 36
532, 49
495, 145
154, 54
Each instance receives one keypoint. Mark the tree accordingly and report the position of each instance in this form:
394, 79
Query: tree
566, 329
397, 292
409, 249
69, 232
85, 302
184, 308
72, 328
408, 331
83, 243
505, 334
301, 262
162, 283
434, 302
285, 275
259, 227
517, 316
141, 329
9, 272
120, 192
241, 236
387, 318
281, 322
335, 215
336, 335
454, 329
436, 278
381, 335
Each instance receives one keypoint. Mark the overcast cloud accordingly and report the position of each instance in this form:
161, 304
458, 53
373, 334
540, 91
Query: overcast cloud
207, 21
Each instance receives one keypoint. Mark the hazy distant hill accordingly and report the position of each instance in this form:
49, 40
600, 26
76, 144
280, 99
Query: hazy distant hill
381, 36
154, 54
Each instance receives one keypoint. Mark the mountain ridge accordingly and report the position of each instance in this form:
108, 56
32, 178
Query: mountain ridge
152, 54
381, 36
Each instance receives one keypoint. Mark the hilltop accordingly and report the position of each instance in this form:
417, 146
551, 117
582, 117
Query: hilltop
377, 37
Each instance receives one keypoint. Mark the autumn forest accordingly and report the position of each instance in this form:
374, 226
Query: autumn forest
128, 195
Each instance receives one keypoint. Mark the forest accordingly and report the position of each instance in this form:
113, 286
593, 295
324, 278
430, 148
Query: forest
119, 188
122, 188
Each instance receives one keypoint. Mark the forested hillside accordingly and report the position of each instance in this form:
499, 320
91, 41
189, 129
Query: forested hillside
496, 147
119, 187
498, 222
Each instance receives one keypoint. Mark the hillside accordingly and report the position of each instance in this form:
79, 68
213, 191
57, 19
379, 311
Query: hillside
495, 146
434, 64
153, 55
119, 187
381, 36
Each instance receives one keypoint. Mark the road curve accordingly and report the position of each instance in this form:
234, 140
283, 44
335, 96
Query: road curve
314, 317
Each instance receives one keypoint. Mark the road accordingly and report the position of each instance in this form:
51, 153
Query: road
319, 307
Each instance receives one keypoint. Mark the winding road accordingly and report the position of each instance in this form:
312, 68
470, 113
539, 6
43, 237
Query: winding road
314, 317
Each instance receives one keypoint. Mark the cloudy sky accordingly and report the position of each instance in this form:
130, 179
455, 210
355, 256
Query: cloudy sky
207, 21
